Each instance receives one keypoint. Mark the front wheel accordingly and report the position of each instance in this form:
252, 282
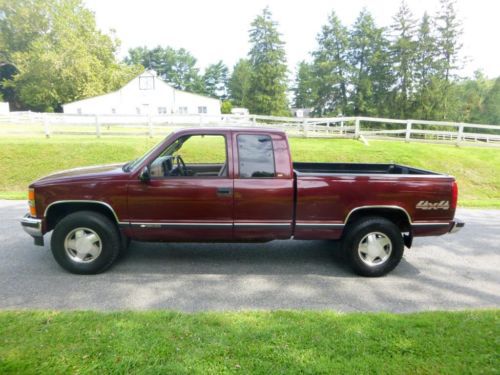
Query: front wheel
85, 242
374, 246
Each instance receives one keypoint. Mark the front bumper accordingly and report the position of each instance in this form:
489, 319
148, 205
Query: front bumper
456, 225
33, 227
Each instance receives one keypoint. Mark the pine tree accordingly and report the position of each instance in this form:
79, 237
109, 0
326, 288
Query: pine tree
403, 56
267, 90
370, 61
239, 83
215, 79
331, 67
449, 33
304, 90
426, 69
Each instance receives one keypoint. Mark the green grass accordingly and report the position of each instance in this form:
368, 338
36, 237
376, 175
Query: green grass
249, 342
476, 169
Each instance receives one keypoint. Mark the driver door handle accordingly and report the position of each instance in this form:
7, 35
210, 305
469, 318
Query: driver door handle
224, 192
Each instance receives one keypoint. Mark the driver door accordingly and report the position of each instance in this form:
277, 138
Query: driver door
193, 201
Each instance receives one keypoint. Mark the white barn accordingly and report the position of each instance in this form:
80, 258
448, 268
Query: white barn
146, 94
4, 108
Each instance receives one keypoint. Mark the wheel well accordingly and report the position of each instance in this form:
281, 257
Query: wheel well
59, 210
397, 216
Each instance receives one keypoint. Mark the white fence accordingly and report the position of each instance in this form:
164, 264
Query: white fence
48, 124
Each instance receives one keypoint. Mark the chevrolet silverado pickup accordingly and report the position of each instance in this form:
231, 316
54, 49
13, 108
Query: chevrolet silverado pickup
238, 185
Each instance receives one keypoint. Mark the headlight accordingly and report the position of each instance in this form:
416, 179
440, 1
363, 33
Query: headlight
31, 202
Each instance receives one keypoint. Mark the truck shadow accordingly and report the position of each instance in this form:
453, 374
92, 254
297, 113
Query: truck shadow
272, 258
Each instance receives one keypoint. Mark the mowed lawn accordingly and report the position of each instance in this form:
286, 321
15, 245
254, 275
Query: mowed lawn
249, 342
477, 169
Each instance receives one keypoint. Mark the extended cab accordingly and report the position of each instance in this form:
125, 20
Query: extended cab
238, 185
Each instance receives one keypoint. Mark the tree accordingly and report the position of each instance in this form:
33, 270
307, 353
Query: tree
239, 83
448, 42
268, 84
331, 68
403, 50
215, 80
304, 87
60, 57
491, 110
426, 71
226, 107
370, 61
175, 66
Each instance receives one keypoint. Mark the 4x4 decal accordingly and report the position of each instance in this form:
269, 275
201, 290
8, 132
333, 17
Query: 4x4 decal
426, 205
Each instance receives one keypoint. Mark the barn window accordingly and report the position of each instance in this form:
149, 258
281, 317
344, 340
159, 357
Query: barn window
146, 83
79, 111
183, 110
138, 110
162, 110
113, 111
202, 109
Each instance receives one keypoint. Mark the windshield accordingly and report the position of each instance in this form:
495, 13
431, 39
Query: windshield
131, 165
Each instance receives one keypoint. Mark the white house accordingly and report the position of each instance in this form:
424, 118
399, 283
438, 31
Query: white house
146, 94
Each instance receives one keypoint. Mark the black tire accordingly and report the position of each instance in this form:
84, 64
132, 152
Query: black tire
110, 242
357, 231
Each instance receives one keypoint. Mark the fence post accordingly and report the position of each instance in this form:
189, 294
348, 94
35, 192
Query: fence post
254, 120
46, 127
304, 128
341, 127
150, 126
97, 127
356, 127
460, 134
408, 131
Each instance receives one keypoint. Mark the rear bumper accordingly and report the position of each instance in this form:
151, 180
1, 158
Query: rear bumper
456, 225
33, 227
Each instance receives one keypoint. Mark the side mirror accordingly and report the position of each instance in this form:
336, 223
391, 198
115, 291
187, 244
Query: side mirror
145, 175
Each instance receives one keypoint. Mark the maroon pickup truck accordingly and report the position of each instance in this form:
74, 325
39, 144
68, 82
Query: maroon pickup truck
238, 185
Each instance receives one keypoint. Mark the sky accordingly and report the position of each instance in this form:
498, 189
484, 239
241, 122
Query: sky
214, 30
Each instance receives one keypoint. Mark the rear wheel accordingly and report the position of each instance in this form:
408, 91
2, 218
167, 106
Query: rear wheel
85, 242
374, 246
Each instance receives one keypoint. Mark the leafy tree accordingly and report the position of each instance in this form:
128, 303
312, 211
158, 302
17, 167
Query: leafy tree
216, 79
226, 107
175, 66
60, 57
304, 88
331, 67
491, 110
370, 61
268, 84
239, 83
403, 50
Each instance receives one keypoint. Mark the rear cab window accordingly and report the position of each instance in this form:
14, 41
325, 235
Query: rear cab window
256, 156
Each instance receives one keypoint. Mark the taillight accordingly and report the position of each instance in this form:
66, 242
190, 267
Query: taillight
31, 202
454, 195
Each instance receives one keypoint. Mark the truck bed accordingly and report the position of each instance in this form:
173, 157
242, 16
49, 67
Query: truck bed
358, 168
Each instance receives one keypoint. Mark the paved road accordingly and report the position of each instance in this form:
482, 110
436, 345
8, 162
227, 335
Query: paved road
449, 272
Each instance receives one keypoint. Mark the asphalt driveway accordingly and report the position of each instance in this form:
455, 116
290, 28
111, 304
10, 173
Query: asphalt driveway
449, 272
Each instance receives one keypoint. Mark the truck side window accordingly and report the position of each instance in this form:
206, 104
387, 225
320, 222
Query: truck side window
256, 156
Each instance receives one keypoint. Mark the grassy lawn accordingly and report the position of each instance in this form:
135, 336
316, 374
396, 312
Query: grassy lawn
476, 169
249, 342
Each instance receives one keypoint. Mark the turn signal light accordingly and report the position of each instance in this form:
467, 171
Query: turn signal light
454, 195
31, 202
